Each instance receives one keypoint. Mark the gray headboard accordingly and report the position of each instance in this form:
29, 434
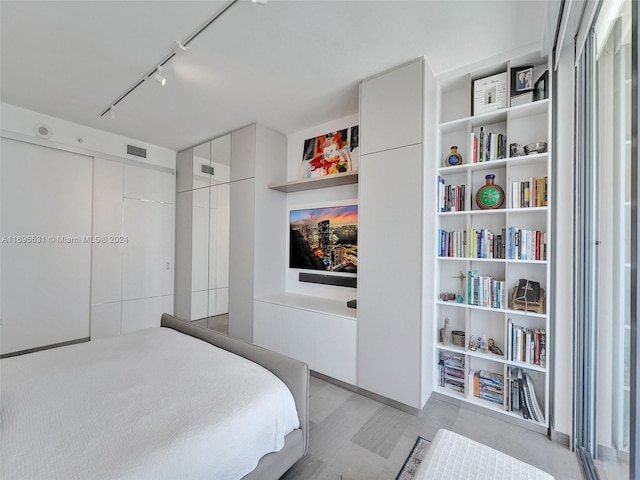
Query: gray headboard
293, 373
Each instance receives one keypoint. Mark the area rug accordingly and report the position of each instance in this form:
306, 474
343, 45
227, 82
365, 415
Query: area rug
413, 460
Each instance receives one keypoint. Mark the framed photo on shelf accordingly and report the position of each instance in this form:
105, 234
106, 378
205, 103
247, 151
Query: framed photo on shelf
489, 93
521, 80
541, 87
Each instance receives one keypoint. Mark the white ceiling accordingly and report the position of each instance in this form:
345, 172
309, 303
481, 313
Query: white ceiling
289, 65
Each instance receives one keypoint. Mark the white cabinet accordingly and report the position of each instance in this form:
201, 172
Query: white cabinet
391, 109
241, 259
498, 247
389, 276
291, 324
392, 266
133, 209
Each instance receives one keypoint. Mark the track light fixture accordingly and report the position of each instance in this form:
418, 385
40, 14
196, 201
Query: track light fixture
158, 77
112, 112
178, 48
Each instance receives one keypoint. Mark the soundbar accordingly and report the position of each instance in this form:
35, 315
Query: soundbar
329, 280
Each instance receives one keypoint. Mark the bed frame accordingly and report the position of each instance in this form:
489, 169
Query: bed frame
293, 373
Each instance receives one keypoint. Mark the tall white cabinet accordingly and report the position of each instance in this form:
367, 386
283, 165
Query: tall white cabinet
391, 260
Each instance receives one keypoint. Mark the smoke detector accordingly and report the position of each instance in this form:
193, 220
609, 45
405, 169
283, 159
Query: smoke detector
42, 130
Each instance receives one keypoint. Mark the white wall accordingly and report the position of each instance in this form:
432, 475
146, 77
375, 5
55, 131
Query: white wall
563, 256
311, 198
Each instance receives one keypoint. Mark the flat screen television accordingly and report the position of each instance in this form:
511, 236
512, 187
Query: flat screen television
324, 238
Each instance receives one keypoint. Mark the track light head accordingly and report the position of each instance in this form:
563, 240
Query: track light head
159, 78
112, 112
260, 2
178, 48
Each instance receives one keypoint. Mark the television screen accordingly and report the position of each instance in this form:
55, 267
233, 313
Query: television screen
324, 239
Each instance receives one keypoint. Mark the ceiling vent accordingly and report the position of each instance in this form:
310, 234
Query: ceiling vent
206, 169
137, 151
42, 130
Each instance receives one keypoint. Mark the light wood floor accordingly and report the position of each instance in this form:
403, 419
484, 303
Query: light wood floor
355, 438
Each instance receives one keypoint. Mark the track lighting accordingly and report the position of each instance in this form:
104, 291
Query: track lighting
260, 2
112, 112
159, 78
178, 48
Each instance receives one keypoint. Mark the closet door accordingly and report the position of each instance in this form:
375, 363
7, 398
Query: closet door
45, 204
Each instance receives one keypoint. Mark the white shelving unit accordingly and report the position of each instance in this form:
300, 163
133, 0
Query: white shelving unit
522, 124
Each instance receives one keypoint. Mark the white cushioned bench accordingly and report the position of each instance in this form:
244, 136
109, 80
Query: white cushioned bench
454, 457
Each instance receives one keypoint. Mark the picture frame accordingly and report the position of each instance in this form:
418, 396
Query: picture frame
541, 87
489, 93
521, 80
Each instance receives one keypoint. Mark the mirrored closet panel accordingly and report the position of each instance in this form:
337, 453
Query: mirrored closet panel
203, 206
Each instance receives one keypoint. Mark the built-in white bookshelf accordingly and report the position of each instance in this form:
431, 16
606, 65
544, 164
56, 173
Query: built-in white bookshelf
490, 255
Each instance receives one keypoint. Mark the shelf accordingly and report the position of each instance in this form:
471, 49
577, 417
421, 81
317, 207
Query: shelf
495, 260
489, 309
519, 111
491, 357
347, 178
313, 304
494, 211
521, 159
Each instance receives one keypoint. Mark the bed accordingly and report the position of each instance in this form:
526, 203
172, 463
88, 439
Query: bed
176, 401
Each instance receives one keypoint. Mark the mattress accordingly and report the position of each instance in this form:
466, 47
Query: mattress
455, 457
151, 404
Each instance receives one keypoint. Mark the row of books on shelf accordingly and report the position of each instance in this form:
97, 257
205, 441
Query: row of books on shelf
487, 385
512, 243
451, 371
486, 146
521, 395
486, 291
529, 193
526, 345
451, 198
516, 392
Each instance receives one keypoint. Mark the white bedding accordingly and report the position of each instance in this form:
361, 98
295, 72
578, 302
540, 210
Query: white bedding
152, 404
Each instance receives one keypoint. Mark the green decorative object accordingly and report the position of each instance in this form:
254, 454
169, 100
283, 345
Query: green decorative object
490, 195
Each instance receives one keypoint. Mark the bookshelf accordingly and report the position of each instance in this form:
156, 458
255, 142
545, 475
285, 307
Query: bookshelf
502, 245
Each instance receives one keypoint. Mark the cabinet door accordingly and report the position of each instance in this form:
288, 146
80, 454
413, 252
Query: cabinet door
391, 109
241, 231
336, 347
389, 273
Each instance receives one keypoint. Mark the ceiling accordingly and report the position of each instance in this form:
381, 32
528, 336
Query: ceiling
289, 65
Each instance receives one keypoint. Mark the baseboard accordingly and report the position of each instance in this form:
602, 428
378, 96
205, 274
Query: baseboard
45, 347
367, 393
561, 438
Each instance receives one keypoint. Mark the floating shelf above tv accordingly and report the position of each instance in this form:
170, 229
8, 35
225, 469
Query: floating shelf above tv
335, 180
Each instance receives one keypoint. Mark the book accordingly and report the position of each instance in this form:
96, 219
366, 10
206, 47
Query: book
528, 290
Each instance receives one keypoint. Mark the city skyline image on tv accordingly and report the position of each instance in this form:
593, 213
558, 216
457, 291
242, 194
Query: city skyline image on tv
324, 238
